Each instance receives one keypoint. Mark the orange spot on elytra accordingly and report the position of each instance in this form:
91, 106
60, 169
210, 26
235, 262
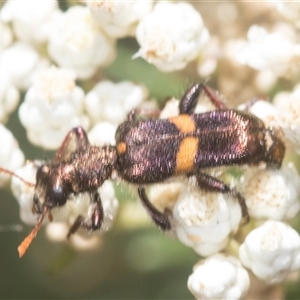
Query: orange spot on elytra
121, 147
184, 123
186, 154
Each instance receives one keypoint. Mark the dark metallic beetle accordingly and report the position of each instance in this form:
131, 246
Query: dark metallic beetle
150, 151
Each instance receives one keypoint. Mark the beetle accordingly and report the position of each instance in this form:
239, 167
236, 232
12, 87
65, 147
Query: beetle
153, 150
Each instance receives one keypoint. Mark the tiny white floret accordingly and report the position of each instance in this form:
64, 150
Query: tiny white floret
77, 42
204, 220
172, 35
21, 61
31, 20
261, 51
271, 251
219, 277
112, 102
103, 133
52, 106
272, 194
119, 18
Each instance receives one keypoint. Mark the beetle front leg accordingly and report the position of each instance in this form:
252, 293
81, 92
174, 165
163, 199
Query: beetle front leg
210, 183
75, 139
94, 219
162, 220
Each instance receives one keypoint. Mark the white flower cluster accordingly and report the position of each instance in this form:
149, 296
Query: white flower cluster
271, 251
205, 220
261, 51
231, 281
112, 102
52, 105
276, 194
242, 60
31, 20
119, 18
171, 36
76, 42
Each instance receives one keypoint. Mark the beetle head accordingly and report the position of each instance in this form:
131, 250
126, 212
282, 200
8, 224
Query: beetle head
50, 189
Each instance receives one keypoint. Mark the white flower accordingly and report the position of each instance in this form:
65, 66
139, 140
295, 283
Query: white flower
272, 194
103, 133
11, 157
262, 51
219, 277
264, 110
112, 102
31, 20
24, 192
52, 106
271, 251
119, 18
76, 42
20, 61
171, 109
6, 35
288, 107
170, 36
204, 220
9, 96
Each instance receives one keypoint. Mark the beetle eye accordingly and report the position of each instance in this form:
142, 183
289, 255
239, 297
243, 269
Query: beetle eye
58, 196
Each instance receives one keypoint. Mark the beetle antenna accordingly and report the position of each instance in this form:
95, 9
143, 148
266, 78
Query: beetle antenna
17, 176
27, 241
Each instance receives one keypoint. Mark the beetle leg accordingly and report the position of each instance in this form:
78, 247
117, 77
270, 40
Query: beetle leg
94, 219
189, 100
162, 220
76, 138
214, 97
210, 183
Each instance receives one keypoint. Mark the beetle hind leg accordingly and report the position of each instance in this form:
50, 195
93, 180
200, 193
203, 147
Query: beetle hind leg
189, 100
162, 220
211, 183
